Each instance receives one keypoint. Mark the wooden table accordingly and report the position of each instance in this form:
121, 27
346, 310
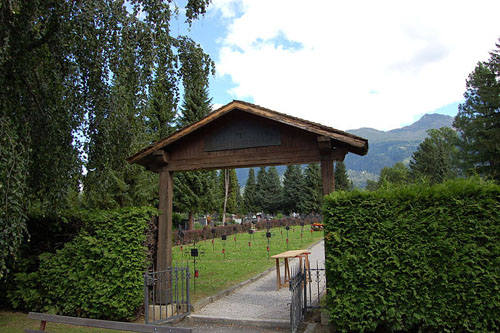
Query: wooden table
287, 255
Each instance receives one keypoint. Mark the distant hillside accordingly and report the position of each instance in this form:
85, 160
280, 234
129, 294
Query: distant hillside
385, 149
414, 132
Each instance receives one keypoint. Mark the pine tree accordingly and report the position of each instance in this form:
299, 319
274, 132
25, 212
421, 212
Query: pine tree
260, 189
478, 119
273, 191
312, 197
342, 182
249, 195
292, 188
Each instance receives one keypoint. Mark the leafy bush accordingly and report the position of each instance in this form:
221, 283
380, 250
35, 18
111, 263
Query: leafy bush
416, 257
98, 274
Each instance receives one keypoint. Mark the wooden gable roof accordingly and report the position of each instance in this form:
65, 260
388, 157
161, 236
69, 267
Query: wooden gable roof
161, 152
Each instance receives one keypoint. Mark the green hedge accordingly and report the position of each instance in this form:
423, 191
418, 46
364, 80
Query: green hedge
98, 274
415, 258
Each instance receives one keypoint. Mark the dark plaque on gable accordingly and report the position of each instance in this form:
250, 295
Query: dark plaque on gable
241, 134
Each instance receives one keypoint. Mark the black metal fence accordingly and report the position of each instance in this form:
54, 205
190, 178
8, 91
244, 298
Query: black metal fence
297, 303
307, 286
166, 295
315, 287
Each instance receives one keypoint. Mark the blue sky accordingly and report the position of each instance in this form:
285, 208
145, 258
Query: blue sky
345, 64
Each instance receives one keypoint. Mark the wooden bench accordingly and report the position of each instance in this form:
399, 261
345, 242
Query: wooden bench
106, 324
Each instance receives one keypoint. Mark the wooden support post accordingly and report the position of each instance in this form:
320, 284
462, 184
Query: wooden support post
164, 254
327, 176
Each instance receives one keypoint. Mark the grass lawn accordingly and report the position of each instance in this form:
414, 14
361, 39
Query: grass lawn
241, 261
216, 273
12, 322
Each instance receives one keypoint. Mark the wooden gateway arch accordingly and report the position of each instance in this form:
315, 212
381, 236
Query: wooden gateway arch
240, 135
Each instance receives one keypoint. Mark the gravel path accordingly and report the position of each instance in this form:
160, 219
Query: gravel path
260, 300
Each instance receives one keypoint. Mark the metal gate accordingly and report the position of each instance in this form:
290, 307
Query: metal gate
315, 287
307, 286
297, 303
166, 295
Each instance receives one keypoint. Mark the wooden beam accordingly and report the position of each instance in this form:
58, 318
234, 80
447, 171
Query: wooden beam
246, 160
106, 324
327, 176
164, 251
161, 156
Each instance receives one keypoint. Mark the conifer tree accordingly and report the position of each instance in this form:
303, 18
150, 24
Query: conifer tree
249, 195
273, 191
478, 119
342, 182
292, 188
312, 197
260, 189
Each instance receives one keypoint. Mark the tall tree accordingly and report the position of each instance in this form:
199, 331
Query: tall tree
292, 188
436, 157
196, 67
312, 195
478, 118
273, 191
192, 188
74, 72
260, 189
342, 182
249, 195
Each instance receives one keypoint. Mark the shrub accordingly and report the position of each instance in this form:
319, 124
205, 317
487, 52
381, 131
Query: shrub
416, 257
98, 274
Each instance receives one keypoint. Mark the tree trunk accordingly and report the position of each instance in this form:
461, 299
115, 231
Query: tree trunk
191, 221
226, 192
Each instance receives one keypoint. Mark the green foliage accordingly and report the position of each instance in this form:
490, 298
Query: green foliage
91, 82
436, 158
249, 195
98, 274
268, 190
194, 191
398, 174
312, 195
415, 258
342, 182
13, 171
292, 188
196, 67
39, 83
478, 119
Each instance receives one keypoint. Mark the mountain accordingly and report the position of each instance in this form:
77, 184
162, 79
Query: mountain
386, 148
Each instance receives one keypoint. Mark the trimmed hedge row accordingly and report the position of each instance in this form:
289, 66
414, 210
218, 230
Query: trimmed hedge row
98, 274
414, 258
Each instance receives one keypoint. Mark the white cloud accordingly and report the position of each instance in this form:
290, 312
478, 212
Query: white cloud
361, 63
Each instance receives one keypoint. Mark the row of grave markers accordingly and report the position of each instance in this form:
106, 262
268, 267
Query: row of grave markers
195, 252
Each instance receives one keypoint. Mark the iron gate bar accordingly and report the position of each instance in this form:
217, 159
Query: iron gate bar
168, 292
296, 305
